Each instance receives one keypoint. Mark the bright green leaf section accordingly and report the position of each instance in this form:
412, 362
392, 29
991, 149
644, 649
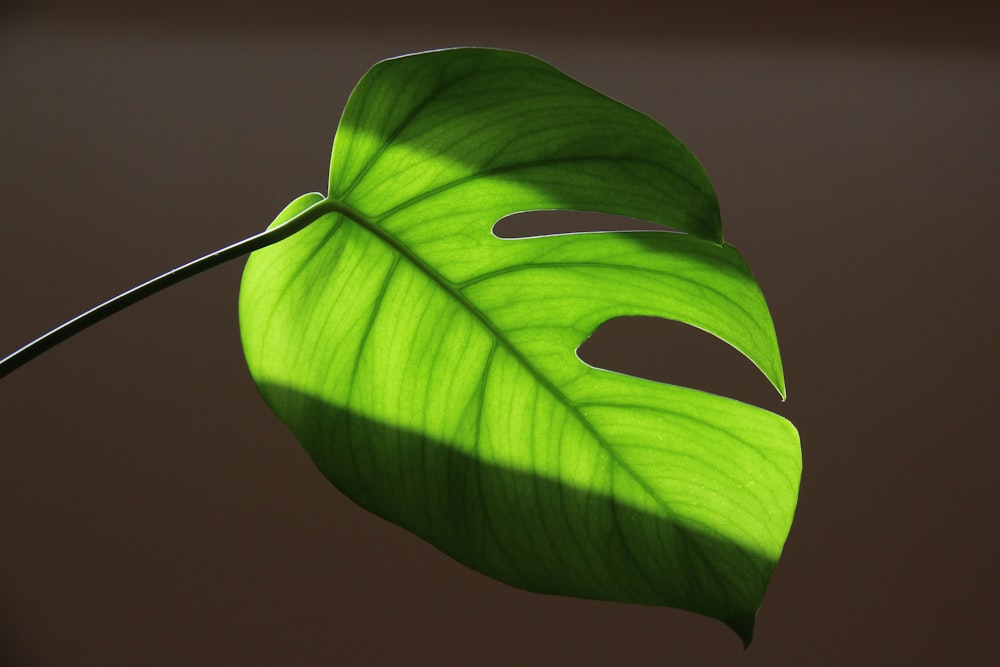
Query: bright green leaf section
429, 368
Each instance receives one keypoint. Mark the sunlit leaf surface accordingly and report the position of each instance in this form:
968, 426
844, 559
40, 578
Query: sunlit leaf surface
429, 367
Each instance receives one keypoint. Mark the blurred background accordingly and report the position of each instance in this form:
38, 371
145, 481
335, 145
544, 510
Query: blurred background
154, 512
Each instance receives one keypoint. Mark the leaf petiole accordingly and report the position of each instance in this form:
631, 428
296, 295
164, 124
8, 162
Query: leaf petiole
74, 326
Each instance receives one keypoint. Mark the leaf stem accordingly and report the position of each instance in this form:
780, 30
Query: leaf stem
74, 326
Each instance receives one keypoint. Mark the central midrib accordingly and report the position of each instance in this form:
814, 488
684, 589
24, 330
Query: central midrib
451, 289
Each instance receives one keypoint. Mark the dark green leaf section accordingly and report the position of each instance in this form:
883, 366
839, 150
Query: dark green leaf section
555, 525
460, 121
429, 369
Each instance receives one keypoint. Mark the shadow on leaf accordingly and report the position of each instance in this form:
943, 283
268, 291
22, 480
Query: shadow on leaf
527, 530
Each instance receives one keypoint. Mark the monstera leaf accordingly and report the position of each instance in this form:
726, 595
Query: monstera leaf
429, 367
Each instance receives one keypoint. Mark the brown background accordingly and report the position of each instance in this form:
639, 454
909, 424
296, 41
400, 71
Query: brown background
153, 512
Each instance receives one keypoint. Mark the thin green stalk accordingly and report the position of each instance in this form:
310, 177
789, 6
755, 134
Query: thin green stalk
74, 326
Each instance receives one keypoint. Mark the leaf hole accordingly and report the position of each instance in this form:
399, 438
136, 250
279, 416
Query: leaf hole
545, 223
679, 354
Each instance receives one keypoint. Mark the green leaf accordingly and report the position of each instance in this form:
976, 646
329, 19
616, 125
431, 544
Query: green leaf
429, 367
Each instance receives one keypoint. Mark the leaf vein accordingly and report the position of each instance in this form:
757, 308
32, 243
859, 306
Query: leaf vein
451, 289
